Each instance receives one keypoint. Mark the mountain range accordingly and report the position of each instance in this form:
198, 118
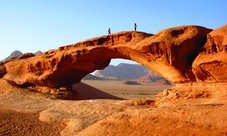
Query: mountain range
133, 72
17, 53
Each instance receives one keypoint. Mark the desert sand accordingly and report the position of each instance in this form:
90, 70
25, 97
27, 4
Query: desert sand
14, 123
203, 112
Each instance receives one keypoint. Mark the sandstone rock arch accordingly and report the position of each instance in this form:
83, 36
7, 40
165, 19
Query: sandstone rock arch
170, 53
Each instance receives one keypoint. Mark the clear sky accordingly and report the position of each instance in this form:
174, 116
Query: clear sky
32, 25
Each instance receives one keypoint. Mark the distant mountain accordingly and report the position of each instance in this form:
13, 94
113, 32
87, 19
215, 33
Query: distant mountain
91, 77
122, 71
38, 52
153, 79
17, 53
14, 54
134, 72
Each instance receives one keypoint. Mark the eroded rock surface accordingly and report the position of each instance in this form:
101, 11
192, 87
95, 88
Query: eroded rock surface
211, 63
2, 70
169, 53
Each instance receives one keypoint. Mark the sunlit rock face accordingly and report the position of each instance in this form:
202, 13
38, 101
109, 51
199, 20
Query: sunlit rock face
170, 53
210, 65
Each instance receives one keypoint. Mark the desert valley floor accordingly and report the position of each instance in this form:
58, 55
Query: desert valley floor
29, 113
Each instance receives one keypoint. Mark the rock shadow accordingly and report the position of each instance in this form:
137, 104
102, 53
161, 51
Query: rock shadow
88, 92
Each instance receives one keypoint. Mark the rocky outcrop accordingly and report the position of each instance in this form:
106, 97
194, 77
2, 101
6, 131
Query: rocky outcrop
129, 82
2, 70
211, 63
170, 53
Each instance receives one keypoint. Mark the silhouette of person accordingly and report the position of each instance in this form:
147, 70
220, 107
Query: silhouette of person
135, 26
109, 31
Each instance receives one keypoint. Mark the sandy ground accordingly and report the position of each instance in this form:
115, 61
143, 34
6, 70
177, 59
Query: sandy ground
199, 112
145, 90
13, 123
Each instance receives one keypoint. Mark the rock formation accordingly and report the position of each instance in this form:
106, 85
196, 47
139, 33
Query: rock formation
169, 53
69, 64
211, 63
2, 70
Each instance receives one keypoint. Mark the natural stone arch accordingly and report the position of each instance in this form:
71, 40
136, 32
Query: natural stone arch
169, 53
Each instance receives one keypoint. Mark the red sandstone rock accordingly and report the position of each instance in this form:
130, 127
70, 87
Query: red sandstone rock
2, 70
211, 63
69, 64
169, 53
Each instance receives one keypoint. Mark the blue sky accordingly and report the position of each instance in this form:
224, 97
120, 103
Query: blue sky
32, 25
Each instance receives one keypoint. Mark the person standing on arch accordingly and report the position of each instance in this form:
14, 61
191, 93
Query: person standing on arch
109, 31
135, 26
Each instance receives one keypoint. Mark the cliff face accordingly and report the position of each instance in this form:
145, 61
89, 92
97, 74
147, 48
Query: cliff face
211, 63
180, 54
171, 52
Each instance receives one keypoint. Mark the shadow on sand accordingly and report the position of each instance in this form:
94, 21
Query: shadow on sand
88, 92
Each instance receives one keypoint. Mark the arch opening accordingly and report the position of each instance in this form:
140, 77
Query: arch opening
126, 79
